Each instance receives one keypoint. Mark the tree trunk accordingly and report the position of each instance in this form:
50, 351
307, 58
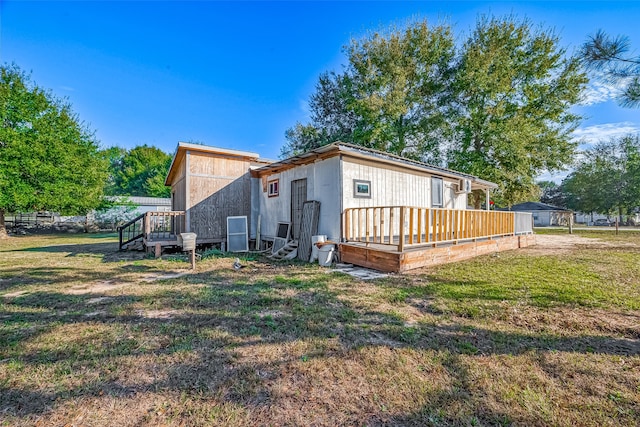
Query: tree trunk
3, 229
477, 196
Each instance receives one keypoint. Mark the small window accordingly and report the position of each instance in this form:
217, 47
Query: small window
274, 188
436, 192
361, 188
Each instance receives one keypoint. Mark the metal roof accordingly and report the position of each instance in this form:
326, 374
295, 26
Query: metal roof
536, 206
372, 154
142, 201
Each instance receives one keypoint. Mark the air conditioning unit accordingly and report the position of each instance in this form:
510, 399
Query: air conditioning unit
464, 186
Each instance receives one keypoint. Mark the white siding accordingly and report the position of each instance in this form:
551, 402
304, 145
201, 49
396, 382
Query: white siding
323, 185
391, 186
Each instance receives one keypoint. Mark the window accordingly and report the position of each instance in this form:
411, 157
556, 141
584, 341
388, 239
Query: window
436, 192
361, 189
274, 188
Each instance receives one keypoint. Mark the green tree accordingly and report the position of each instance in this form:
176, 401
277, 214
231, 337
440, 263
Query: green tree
552, 193
49, 160
515, 87
401, 90
393, 96
610, 57
114, 157
607, 179
331, 117
498, 107
140, 171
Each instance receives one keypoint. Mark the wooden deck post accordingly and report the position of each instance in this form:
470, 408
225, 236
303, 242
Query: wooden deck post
402, 219
391, 230
410, 226
147, 225
345, 223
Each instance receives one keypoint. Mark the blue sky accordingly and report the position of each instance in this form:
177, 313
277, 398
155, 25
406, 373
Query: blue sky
238, 74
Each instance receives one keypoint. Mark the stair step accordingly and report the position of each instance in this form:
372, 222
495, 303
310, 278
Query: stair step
288, 251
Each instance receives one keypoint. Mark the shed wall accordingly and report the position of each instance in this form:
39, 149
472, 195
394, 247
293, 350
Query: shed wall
219, 186
179, 189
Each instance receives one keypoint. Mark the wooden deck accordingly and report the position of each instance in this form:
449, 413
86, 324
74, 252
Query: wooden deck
152, 230
401, 238
385, 258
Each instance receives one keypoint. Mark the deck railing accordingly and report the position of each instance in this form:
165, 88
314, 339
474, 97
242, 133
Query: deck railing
152, 227
163, 225
404, 226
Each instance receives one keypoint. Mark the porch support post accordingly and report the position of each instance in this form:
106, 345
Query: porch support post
401, 237
487, 193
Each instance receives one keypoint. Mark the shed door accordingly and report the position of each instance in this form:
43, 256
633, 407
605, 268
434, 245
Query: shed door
298, 197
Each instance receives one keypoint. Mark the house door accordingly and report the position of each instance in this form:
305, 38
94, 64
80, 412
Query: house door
298, 197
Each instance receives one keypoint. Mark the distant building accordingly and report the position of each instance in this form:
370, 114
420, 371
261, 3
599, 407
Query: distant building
544, 215
146, 204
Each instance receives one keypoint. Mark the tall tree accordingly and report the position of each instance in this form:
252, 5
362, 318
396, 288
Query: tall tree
394, 95
49, 160
552, 193
607, 179
138, 172
401, 88
515, 87
498, 107
331, 117
610, 56
114, 157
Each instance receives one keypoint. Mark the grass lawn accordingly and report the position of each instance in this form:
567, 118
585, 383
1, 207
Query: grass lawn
91, 336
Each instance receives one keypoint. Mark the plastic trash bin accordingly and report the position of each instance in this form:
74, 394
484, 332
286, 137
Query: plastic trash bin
325, 255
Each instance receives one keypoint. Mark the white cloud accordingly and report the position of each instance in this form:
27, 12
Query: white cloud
587, 137
590, 135
598, 92
67, 88
556, 176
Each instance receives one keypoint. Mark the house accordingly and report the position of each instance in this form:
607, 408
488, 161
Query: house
544, 215
384, 211
344, 177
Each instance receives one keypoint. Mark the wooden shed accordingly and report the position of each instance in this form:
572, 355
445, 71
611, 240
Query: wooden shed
210, 184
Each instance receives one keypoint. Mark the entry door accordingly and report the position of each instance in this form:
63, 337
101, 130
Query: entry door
298, 197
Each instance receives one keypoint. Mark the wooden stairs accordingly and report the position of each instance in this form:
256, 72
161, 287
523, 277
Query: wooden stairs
288, 251
151, 229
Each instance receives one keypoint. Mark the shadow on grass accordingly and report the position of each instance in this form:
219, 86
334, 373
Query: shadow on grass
105, 251
225, 311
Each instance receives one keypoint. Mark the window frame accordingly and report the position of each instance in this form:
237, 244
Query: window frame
359, 195
273, 187
433, 193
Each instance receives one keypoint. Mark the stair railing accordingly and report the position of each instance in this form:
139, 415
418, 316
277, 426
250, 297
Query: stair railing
131, 231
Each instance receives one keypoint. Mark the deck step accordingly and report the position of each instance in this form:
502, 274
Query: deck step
288, 251
136, 245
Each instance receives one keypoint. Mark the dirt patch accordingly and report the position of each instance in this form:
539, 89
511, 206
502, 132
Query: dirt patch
548, 244
167, 275
101, 286
15, 294
157, 314
99, 300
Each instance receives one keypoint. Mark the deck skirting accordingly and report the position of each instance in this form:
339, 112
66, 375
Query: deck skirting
383, 258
